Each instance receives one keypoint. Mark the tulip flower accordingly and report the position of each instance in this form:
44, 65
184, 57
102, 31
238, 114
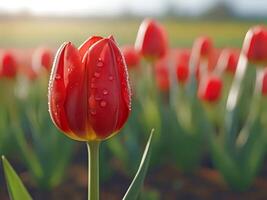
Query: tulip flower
182, 67
162, 75
210, 89
204, 46
132, 57
151, 40
231, 63
254, 51
227, 61
8, 65
42, 58
89, 96
255, 45
201, 52
264, 83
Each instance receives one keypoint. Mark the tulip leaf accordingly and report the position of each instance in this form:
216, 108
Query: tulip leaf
16, 189
137, 183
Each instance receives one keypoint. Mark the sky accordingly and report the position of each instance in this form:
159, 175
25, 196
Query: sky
138, 7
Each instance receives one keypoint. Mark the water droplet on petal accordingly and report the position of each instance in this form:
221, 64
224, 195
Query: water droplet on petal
103, 103
100, 63
97, 74
57, 77
69, 70
93, 85
105, 92
111, 78
98, 98
93, 112
93, 80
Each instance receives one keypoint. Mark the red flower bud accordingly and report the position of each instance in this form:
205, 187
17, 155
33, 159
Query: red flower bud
42, 58
162, 75
203, 46
264, 83
89, 95
151, 40
8, 65
255, 45
210, 88
132, 57
228, 60
231, 62
182, 68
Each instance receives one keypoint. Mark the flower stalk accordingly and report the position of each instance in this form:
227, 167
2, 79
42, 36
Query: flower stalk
93, 170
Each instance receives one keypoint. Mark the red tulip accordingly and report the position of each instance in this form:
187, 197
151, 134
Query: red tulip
8, 65
202, 56
182, 68
89, 95
210, 88
228, 61
255, 45
132, 57
151, 40
162, 75
231, 62
264, 83
203, 46
42, 58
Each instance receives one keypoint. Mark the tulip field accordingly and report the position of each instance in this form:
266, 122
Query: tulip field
133, 109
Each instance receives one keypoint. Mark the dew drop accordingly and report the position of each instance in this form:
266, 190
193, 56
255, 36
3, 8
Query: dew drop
57, 77
93, 112
100, 63
93, 85
69, 70
105, 92
93, 80
111, 78
119, 59
103, 103
97, 74
98, 98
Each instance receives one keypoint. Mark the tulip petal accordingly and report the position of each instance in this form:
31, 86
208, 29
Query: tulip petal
87, 44
125, 98
56, 91
75, 101
105, 94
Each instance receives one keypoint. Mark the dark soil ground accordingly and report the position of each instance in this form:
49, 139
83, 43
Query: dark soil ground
166, 183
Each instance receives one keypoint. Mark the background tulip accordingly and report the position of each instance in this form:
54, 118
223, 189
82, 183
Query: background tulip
132, 57
227, 61
182, 67
151, 40
264, 83
162, 75
255, 45
210, 88
42, 58
204, 46
8, 65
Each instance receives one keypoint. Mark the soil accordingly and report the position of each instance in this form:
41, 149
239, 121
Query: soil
167, 182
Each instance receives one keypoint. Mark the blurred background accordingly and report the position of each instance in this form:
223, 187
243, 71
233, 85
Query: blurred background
26, 25
31, 23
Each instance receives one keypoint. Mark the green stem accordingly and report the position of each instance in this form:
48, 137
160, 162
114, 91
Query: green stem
93, 170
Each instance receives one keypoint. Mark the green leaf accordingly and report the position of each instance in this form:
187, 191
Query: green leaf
16, 189
138, 181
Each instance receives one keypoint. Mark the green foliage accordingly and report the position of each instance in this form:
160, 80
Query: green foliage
138, 181
16, 189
